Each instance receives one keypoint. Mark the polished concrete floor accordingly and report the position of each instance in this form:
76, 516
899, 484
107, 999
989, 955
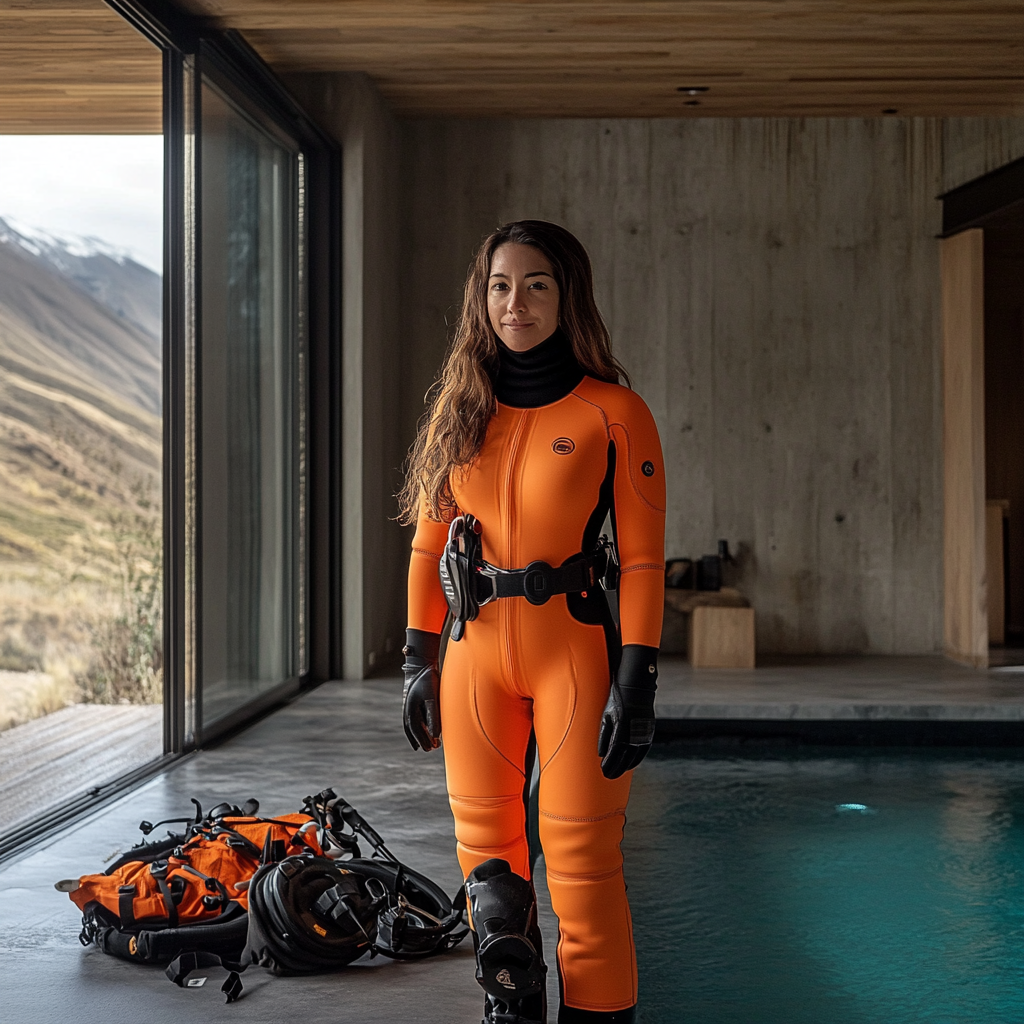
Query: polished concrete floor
907, 688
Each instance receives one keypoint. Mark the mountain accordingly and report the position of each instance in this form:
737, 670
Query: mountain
47, 282
124, 287
80, 398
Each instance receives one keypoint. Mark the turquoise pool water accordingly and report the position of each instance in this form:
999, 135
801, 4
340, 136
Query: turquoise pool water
856, 888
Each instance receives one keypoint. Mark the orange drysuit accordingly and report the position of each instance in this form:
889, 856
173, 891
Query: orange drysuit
540, 487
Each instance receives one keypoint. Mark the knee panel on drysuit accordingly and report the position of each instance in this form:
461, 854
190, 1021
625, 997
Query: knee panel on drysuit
490, 827
582, 850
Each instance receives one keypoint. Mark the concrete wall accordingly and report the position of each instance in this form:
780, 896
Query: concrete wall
772, 285
973, 146
373, 556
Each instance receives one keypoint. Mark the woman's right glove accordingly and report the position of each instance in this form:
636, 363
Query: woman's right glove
422, 712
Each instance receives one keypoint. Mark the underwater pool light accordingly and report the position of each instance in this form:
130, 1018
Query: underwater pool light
855, 808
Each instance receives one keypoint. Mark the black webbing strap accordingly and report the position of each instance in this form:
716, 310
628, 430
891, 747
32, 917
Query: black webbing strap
235, 839
178, 970
125, 907
537, 582
213, 885
459, 904
273, 849
165, 891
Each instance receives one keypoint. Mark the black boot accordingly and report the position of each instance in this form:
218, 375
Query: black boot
510, 966
530, 1009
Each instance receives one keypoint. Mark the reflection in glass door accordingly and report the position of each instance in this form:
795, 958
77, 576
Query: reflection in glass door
248, 432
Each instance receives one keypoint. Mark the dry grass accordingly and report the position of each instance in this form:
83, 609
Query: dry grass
81, 620
45, 641
28, 695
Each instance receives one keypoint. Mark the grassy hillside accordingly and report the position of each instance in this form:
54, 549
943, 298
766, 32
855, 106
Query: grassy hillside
80, 463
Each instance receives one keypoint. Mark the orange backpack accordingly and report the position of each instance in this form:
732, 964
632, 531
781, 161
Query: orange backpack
188, 892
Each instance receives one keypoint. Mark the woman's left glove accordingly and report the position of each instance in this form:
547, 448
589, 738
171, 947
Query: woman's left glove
627, 728
422, 712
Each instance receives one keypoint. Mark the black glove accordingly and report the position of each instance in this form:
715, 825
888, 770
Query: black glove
422, 713
627, 728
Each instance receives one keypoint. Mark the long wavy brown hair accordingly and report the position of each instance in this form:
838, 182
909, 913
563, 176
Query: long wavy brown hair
461, 402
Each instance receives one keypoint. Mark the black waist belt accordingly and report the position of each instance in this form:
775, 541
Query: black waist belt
469, 582
537, 582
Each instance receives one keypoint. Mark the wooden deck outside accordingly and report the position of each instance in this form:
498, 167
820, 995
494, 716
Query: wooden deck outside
53, 758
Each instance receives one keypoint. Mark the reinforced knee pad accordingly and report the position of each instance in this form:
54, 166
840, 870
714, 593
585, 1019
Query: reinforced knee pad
503, 912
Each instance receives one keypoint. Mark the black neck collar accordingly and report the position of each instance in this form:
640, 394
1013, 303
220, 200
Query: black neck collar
542, 375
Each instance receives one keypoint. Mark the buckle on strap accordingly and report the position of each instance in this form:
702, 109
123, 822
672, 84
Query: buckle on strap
606, 564
486, 577
537, 583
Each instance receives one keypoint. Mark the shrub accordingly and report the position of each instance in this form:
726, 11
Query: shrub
18, 657
126, 665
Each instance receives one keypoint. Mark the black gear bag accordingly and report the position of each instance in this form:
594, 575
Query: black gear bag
309, 914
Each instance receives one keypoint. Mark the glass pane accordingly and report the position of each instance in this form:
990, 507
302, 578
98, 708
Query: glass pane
81, 452
246, 422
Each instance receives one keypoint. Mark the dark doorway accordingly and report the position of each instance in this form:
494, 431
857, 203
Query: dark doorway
1004, 431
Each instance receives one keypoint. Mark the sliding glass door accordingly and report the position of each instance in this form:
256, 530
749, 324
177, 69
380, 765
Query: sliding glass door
248, 371
253, 232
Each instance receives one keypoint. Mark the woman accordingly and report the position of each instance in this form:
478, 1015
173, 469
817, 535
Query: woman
529, 443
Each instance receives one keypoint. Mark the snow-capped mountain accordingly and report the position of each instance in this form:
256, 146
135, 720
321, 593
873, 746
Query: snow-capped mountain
58, 249
106, 272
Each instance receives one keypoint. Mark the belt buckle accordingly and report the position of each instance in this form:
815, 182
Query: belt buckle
490, 573
537, 582
608, 573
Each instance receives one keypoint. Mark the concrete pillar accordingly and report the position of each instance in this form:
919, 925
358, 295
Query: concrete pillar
350, 108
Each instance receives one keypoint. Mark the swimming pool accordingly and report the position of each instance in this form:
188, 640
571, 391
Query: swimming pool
828, 888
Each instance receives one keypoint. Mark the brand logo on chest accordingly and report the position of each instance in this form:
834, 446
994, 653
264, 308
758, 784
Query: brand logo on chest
563, 446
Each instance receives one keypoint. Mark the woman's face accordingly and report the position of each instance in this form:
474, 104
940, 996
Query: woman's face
522, 296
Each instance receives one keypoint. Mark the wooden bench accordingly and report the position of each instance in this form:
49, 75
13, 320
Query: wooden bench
720, 627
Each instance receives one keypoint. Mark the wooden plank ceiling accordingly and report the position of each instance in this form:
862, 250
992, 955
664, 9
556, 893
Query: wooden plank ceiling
75, 66
636, 58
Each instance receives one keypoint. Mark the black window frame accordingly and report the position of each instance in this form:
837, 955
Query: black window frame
191, 49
